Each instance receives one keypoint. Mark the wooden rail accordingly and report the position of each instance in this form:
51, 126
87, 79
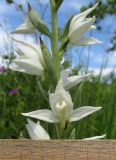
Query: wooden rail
57, 150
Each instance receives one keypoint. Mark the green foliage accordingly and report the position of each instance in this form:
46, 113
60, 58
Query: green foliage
98, 94
94, 93
113, 43
11, 106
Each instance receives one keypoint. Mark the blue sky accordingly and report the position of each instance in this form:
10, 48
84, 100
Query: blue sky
11, 19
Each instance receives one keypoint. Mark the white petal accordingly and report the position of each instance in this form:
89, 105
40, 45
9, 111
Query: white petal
30, 50
19, 52
72, 81
25, 28
83, 14
65, 73
82, 112
31, 133
76, 25
95, 137
53, 99
61, 96
81, 29
86, 41
64, 96
88, 11
36, 131
30, 66
18, 68
45, 115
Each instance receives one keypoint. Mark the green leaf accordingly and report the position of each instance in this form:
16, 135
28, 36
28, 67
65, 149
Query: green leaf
42, 91
38, 23
63, 46
58, 3
72, 135
65, 39
66, 28
49, 66
78, 93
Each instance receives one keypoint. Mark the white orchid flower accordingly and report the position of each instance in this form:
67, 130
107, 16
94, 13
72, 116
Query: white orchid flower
79, 25
36, 131
95, 137
25, 28
30, 58
62, 109
71, 81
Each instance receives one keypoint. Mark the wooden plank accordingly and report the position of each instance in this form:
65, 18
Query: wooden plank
57, 150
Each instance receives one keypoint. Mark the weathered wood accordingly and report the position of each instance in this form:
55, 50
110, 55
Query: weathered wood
57, 150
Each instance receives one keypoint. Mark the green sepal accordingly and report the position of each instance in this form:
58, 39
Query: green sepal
36, 20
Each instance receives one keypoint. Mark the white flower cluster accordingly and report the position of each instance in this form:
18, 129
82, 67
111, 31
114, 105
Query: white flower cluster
30, 60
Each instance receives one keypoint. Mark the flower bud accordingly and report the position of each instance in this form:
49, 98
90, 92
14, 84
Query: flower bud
79, 25
37, 22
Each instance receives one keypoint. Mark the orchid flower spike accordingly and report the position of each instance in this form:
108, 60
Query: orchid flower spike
61, 109
71, 81
79, 25
25, 28
36, 131
30, 58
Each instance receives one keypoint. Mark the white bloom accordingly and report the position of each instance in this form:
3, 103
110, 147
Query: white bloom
71, 81
79, 25
25, 28
95, 137
30, 59
36, 131
62, 109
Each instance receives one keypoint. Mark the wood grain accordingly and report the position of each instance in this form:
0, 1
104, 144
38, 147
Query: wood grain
57, 150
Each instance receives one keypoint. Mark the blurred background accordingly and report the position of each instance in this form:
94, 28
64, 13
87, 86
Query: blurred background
21, 93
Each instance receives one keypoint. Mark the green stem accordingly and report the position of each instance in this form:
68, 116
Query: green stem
54, 46
54, 39
54, 36
57, 131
